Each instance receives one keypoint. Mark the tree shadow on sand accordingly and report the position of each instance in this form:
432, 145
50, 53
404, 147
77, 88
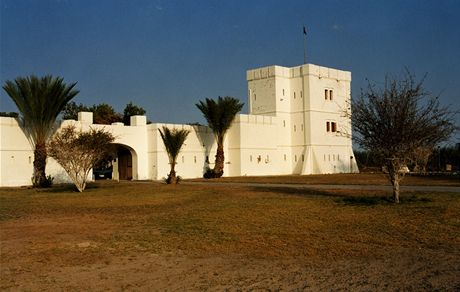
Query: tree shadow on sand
68, 188
347, 199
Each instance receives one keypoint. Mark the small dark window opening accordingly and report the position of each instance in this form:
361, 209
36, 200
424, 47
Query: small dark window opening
334, 127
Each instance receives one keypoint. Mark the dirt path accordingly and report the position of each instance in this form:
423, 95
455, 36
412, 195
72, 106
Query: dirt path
401, 270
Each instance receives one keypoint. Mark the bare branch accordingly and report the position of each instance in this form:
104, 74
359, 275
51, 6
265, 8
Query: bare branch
77, 151
396, 121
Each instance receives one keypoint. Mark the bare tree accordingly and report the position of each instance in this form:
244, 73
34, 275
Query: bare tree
395, 121
77, 151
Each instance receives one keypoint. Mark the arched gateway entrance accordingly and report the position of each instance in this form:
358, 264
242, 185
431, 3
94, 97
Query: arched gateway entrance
125, 163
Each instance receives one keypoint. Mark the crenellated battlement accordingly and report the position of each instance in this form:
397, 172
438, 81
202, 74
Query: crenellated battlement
298, 71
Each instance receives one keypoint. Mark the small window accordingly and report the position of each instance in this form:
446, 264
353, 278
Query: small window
324, 157
194, 159
255, 97
294, 94
295, 158
326, 94
301, 94
328, 126
330, 95
333, 157
338, 157
284, 123
303, 157
183, 159
301, 127
329, 157
250, 158
207, 159
294, 128
334, 127
285, 157
283, 92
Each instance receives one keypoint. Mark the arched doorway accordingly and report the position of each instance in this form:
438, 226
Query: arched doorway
125, 163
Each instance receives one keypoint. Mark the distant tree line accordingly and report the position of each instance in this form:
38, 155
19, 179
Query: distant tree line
9, 114
103, 113
433, 160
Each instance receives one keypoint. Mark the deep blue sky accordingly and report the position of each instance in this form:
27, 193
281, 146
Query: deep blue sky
167, 55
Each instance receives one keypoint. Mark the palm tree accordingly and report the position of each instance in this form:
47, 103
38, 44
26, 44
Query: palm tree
220, 115
173, 141
39, 101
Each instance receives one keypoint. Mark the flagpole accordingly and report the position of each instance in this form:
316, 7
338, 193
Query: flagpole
304, 45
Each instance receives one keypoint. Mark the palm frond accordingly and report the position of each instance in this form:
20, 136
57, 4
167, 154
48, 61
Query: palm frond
221, 113
173, 140
39, 101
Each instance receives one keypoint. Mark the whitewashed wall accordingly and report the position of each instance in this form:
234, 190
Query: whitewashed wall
191, 162
16, 154
17, 157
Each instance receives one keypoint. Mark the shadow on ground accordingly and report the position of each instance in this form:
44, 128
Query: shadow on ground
346, 197
68, 188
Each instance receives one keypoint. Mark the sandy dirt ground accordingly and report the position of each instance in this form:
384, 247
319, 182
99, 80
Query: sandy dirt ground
152, 237
42, 255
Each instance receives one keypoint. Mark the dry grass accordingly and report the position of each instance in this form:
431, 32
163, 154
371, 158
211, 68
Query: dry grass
44, 229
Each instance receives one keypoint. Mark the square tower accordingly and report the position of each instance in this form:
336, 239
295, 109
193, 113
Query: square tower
310, 102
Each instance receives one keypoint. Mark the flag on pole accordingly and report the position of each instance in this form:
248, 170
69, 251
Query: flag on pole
305, 45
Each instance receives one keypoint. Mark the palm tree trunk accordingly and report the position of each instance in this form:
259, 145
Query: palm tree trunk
39, 176
172, 178
220, 158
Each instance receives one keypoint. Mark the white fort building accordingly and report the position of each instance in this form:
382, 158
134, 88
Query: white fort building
296, 125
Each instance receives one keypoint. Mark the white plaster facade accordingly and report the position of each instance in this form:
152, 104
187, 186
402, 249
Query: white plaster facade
295, 125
